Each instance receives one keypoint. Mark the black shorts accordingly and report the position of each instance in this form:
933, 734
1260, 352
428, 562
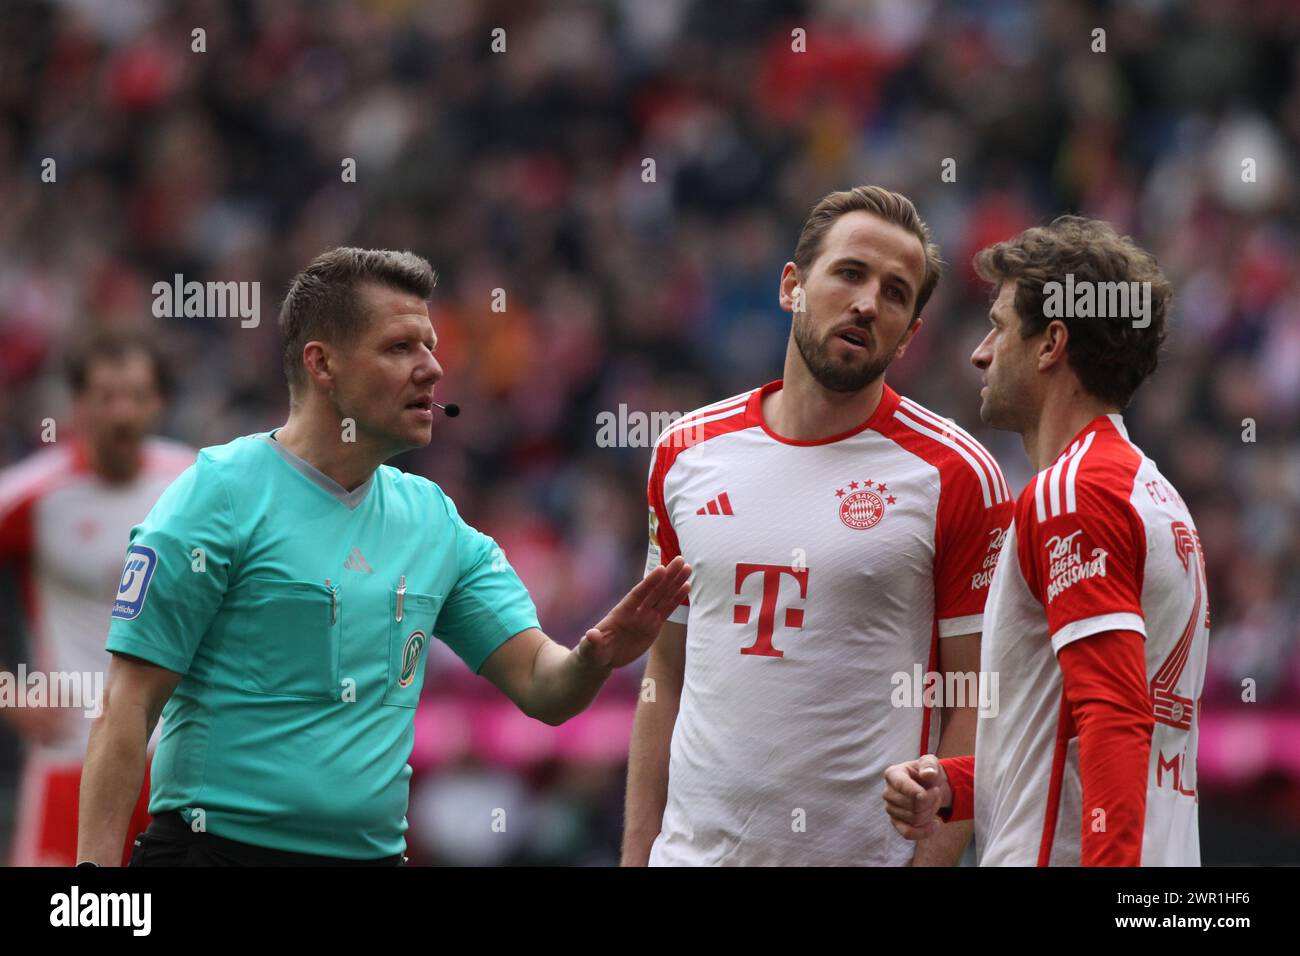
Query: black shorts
170, 841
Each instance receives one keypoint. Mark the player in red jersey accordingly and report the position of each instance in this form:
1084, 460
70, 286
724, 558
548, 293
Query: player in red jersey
66, 514
1097, 620
842, 537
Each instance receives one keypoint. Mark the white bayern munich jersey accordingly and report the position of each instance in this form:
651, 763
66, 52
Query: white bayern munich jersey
1101, 542
66, 531
824, 574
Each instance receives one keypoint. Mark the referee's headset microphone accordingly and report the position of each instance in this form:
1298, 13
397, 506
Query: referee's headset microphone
451, 409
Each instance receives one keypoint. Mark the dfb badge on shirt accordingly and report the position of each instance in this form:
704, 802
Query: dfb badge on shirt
411, 658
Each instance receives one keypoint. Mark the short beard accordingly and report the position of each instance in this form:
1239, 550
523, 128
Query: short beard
118, 468
1002, 416
991, 415
827, 372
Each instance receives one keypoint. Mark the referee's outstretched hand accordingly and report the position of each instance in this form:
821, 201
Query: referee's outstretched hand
631, 627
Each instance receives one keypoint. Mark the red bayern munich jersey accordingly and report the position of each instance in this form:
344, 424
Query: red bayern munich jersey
823, 571
1101, 542
64, 530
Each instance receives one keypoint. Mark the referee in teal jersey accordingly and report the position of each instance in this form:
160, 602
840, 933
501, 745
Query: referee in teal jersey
277, 602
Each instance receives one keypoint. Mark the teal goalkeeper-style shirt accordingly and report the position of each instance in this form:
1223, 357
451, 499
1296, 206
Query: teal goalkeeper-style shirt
276, 594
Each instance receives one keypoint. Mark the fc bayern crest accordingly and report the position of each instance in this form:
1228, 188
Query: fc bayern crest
862, 503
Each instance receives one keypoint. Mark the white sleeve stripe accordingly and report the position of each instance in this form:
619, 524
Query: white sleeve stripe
980, 452
942, 439
684, 424
958, 626
1001, 491
1069, 464
735, 401
701, 415
1074, 470
1038, 496
741, 399
1089, 626
34, 476
969, 440
1054, 486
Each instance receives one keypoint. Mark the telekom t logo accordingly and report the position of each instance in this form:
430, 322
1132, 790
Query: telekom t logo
767, 610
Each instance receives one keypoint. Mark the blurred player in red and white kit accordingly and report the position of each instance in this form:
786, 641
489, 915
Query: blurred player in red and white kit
842, 537
1097, 619
66, 515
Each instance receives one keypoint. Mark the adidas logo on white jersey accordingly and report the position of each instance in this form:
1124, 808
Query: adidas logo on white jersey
720, 505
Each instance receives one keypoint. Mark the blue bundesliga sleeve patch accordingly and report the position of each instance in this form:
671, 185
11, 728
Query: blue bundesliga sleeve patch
140, 563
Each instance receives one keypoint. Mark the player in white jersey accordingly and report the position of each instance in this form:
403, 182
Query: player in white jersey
65, 520
842, 538
1097, 620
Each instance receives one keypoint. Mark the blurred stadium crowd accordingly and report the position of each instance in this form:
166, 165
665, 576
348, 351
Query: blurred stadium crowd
523, 171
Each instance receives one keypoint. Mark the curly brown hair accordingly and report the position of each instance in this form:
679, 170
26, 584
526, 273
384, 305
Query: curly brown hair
1111, 354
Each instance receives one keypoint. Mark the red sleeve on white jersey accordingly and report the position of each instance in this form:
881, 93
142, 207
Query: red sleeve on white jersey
16, 529
663, 540
972, 517
960, 772
21, 487
698, 426
968, 538
1105, 683
663, 546
1082, 546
